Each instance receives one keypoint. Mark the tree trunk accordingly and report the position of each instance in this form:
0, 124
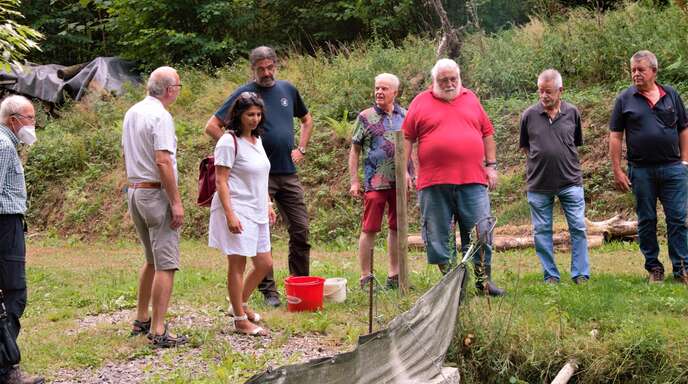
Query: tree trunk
450, 44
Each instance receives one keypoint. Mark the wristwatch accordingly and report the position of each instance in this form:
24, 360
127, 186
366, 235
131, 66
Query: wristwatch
301, 149
685, 163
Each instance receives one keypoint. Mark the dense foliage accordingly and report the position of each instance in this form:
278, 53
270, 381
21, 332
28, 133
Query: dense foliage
16, 40
215, 32
589, 49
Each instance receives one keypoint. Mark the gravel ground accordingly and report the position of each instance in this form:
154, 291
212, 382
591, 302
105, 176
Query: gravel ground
299, 348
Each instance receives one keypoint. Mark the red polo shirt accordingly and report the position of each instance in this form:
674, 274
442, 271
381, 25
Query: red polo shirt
450, 138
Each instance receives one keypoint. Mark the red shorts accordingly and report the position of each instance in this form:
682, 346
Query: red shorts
374, 207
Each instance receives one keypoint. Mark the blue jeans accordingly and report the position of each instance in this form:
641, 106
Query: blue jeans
440, 204
573, 204
668, 183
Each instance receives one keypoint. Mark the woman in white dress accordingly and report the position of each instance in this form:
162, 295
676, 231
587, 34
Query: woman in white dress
241, 212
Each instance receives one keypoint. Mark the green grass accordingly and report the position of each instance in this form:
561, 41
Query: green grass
528, 335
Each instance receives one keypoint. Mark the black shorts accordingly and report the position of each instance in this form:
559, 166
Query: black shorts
12, 252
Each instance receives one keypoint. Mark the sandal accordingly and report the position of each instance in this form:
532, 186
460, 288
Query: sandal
140, 327
365, 281
166, 340
256, 316
257, 331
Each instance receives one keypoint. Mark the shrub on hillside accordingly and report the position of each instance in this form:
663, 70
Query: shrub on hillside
587, 48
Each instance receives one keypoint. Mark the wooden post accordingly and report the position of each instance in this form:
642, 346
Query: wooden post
400, 166
371, 290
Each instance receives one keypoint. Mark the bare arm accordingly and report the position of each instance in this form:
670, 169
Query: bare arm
354, 153
490, 149
408, 147
490, 157
214, 128
620, 177
306, 130
683, 144
222, 189
163, 160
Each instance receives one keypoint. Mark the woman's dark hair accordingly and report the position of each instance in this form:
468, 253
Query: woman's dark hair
243, 102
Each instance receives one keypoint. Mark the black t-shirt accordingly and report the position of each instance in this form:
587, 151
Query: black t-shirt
651, 132
282, 103
552, 155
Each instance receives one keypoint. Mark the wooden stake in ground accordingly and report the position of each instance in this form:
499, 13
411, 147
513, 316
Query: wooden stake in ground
370, 291
400, 165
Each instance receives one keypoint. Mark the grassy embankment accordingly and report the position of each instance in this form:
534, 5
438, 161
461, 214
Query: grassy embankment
75, 178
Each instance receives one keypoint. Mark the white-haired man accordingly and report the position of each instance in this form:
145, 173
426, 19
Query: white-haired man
150, 156
17, 125
374, 134
456, 166
550, 132
653, 118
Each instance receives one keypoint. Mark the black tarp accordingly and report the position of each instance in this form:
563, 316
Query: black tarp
103, 74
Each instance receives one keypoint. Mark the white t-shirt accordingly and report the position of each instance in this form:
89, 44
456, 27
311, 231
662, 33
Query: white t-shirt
147, 127
248, 177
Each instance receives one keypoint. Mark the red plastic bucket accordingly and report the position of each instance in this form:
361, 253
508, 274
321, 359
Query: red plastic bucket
304, 293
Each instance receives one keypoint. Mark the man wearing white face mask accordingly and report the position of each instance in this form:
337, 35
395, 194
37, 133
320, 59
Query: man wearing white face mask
17, 120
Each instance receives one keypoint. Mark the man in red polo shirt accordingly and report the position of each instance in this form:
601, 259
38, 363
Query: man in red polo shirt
456, 160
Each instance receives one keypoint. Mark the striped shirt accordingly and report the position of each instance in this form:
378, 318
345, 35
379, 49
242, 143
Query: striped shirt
12, 186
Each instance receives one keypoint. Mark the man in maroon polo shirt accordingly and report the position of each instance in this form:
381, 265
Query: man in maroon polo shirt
457, 163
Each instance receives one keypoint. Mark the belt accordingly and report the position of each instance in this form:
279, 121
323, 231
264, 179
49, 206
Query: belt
145, 185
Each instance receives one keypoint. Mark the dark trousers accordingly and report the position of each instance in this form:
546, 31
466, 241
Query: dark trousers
12, 272
667, 183
287, 193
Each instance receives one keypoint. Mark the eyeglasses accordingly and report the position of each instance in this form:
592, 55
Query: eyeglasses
30, 118
248, 95
175, 85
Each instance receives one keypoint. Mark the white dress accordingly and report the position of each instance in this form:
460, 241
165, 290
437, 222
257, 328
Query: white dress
248, 188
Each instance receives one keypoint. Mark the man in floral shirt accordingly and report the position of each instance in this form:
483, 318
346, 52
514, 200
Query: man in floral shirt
374, 134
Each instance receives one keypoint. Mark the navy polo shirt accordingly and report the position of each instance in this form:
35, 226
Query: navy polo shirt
652, 133
282, 103
552, 163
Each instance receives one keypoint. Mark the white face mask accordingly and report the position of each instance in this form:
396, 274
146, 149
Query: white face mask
27, 134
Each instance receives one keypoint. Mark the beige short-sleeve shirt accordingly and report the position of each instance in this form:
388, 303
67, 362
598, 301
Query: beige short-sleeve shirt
147, 127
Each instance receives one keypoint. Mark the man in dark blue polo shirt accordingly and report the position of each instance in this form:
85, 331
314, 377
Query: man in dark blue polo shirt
282, 103
653, 118
550, 132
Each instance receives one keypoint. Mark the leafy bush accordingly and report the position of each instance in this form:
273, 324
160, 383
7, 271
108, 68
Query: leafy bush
588, 49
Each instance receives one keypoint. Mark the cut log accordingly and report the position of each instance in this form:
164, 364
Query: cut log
599, 232
566, 372
502, 243
614, 228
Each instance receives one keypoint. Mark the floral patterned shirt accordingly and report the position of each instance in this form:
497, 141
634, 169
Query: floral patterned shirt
374, 132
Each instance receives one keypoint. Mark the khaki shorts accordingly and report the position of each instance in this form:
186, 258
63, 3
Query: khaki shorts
151, 213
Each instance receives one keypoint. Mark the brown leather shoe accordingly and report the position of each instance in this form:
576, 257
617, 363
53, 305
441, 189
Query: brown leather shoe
682, 279
656, 276
16, 376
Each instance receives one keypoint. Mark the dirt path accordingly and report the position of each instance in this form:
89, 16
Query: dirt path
191, 361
